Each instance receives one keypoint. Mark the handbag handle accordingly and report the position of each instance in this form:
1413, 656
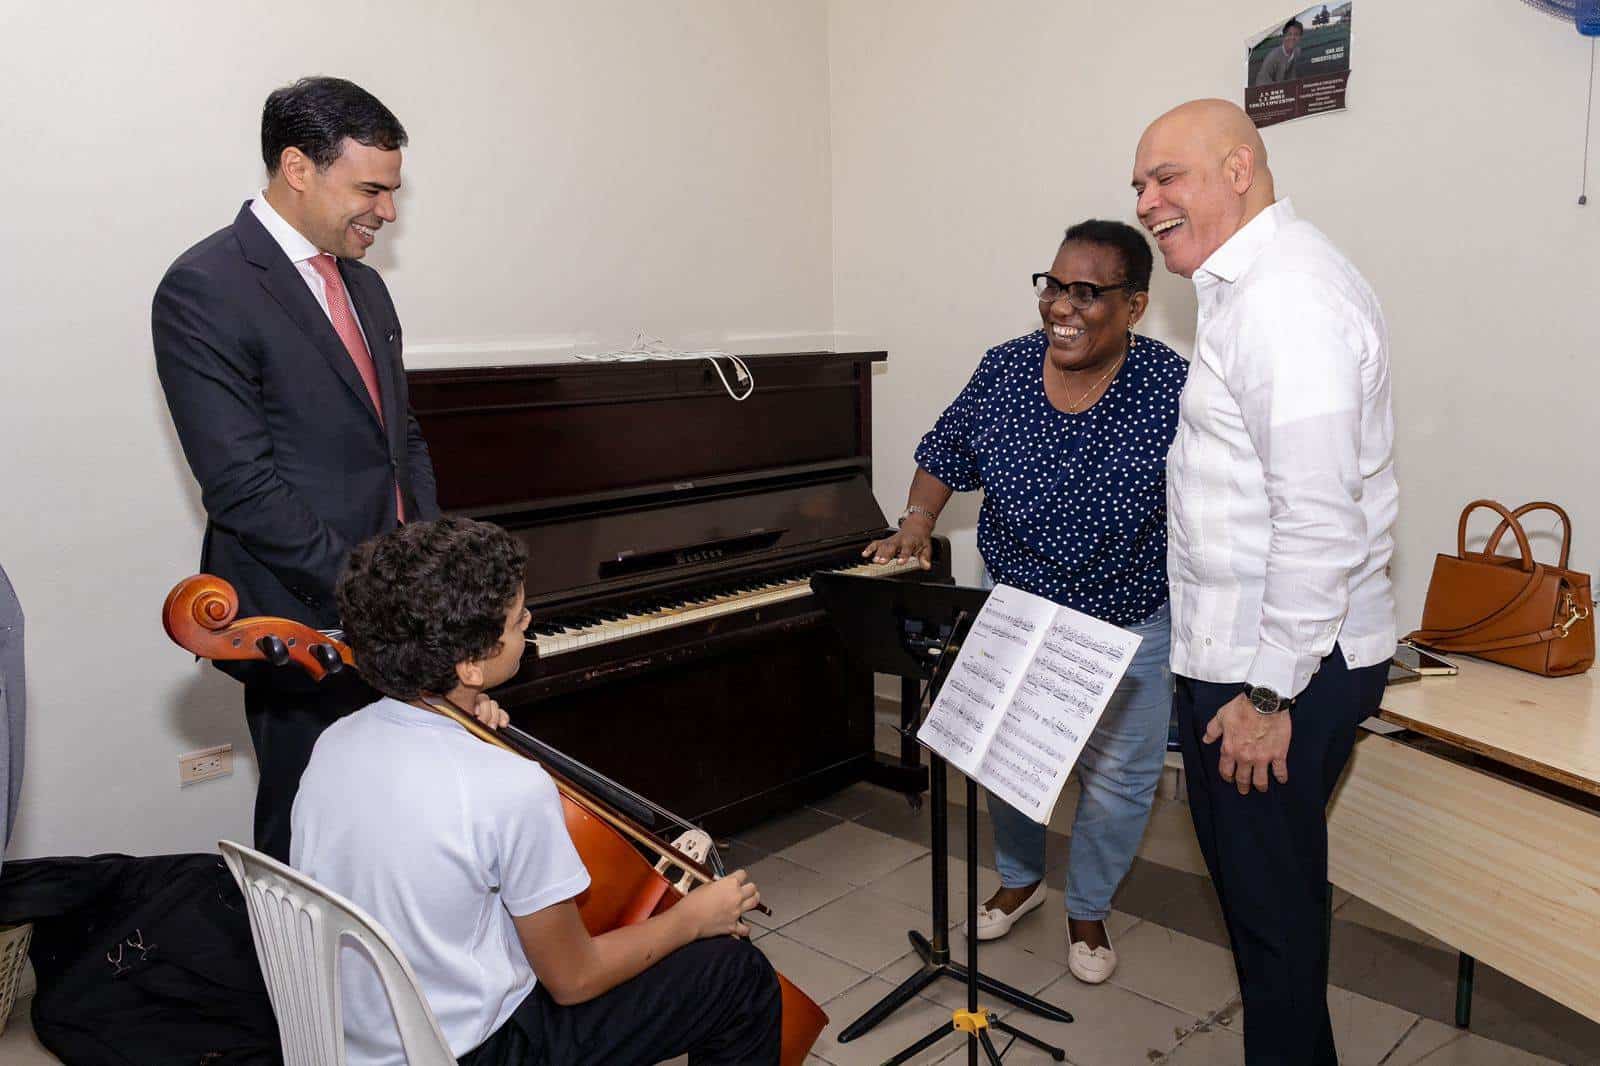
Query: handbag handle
1540, 505
1509, 520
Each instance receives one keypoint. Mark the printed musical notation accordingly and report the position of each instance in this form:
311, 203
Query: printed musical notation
949, 735
970, 693
1080, 659
998, 630
1024, 695
1087, 641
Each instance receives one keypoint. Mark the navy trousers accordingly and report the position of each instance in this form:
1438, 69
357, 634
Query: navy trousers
715, 999
1268, 856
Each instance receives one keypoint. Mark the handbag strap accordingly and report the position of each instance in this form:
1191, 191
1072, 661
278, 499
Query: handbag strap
1529, 587
1538, 505
1498, 644
1509, 520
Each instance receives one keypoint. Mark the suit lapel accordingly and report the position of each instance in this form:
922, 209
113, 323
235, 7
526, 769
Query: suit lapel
288, 288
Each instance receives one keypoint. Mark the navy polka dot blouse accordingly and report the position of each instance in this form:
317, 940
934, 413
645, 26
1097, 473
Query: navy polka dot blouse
1074, 506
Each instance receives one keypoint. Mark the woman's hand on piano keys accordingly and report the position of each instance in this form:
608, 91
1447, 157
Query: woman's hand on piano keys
488, 712
914, 541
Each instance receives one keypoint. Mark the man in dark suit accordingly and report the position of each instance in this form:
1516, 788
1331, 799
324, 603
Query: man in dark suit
280, 356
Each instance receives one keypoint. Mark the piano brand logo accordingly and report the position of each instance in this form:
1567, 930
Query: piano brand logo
702, 555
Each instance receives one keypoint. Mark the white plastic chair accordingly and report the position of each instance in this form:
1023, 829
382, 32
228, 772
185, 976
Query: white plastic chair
298, 927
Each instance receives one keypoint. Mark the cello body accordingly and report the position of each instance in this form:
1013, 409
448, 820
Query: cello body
625, 887
631, 890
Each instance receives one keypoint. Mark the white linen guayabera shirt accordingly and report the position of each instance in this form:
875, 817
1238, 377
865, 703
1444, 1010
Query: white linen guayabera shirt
1281, 496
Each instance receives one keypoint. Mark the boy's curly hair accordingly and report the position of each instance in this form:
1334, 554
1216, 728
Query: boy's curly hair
420, 599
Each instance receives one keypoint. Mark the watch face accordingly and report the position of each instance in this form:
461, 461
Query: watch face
1266, 701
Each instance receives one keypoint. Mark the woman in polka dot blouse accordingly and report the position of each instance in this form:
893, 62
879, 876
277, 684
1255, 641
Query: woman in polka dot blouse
1066, 431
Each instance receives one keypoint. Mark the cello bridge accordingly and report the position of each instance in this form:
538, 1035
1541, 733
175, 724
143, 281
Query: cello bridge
696, 845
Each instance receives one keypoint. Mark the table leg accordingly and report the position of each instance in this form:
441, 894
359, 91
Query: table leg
1465, 967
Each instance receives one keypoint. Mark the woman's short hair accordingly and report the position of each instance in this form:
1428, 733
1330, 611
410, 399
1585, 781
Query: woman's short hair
424, 597
1127, 242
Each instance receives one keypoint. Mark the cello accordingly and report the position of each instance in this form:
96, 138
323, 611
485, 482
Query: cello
625, 886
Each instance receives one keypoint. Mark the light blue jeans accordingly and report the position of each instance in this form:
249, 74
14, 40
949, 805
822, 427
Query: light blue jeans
1118, 772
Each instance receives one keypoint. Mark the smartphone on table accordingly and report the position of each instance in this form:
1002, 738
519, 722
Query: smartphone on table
1424, 662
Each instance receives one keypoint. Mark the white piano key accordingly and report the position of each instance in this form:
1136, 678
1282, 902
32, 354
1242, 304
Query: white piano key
670, 617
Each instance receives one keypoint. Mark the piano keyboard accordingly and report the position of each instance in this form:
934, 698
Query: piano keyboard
566, 634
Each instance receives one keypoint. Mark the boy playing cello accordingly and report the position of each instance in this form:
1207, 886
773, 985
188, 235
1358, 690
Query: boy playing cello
460, 851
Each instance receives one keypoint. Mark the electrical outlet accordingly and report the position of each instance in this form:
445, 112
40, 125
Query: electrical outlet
206, 764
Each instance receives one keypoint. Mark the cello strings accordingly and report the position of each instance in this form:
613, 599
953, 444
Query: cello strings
713, 859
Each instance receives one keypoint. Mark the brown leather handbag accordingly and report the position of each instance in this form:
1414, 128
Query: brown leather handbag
1512, 611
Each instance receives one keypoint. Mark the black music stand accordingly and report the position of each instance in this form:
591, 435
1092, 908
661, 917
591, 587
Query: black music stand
914, 630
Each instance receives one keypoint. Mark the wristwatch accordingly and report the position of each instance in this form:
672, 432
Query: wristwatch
911, 509
1265, 700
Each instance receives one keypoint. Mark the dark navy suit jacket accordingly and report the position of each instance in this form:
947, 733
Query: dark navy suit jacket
294, 466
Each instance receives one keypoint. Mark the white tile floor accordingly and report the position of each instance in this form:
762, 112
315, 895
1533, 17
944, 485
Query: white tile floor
844, 896
1172, 1000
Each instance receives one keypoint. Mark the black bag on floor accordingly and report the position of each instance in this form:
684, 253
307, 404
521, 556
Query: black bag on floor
142, 961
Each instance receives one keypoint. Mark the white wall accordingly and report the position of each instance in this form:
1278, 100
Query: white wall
723, 171
576, 171
966, 137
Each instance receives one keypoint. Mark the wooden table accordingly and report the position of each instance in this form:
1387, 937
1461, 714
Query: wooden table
1480, 824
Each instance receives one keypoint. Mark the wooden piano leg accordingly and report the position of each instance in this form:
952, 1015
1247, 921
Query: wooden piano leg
906, 774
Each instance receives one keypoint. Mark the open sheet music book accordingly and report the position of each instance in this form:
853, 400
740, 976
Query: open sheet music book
1023, 696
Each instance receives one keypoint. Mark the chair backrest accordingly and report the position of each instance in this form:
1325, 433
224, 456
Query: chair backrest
299, 927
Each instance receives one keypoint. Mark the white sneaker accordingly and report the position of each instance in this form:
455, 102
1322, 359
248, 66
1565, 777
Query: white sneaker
994, 923
1091, 966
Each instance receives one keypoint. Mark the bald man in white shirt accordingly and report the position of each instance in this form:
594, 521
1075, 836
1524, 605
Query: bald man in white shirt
1281, 505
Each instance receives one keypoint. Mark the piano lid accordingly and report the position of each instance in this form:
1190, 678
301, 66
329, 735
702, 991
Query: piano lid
566, 435
622, 475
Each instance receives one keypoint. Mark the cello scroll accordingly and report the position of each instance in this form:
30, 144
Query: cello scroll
199, 616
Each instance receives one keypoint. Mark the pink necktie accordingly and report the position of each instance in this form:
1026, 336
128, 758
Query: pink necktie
344, 324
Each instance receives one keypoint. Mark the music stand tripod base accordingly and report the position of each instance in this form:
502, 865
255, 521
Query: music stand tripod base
936, 961
880, 606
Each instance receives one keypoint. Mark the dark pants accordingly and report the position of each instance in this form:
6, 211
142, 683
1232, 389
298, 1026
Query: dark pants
286, 716
715, 999
1268, 856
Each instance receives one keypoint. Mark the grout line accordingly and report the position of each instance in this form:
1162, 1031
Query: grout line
1209, 1023
803, 914
846, 991
1416, 1023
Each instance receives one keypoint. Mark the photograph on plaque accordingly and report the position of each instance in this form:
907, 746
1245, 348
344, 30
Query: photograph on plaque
1299, 65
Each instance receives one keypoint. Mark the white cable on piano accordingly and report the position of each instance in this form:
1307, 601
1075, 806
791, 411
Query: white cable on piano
651, 349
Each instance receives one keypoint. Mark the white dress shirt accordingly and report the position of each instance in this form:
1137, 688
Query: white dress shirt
300, 252
1281, 497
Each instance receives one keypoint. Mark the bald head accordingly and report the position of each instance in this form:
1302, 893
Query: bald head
1201, 174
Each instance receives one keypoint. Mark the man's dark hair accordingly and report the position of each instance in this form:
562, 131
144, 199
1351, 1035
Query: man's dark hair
1293, 24
1127, 242
315, 115
422, 598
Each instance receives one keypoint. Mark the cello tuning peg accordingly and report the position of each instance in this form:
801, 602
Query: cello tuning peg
327, 657
273, 650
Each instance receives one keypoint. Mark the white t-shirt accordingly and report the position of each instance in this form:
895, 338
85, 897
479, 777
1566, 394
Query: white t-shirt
442, 838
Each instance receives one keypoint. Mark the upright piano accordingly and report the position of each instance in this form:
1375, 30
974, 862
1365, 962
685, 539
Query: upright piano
671, 534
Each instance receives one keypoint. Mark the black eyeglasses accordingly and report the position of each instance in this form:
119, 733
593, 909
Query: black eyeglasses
1080, 294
